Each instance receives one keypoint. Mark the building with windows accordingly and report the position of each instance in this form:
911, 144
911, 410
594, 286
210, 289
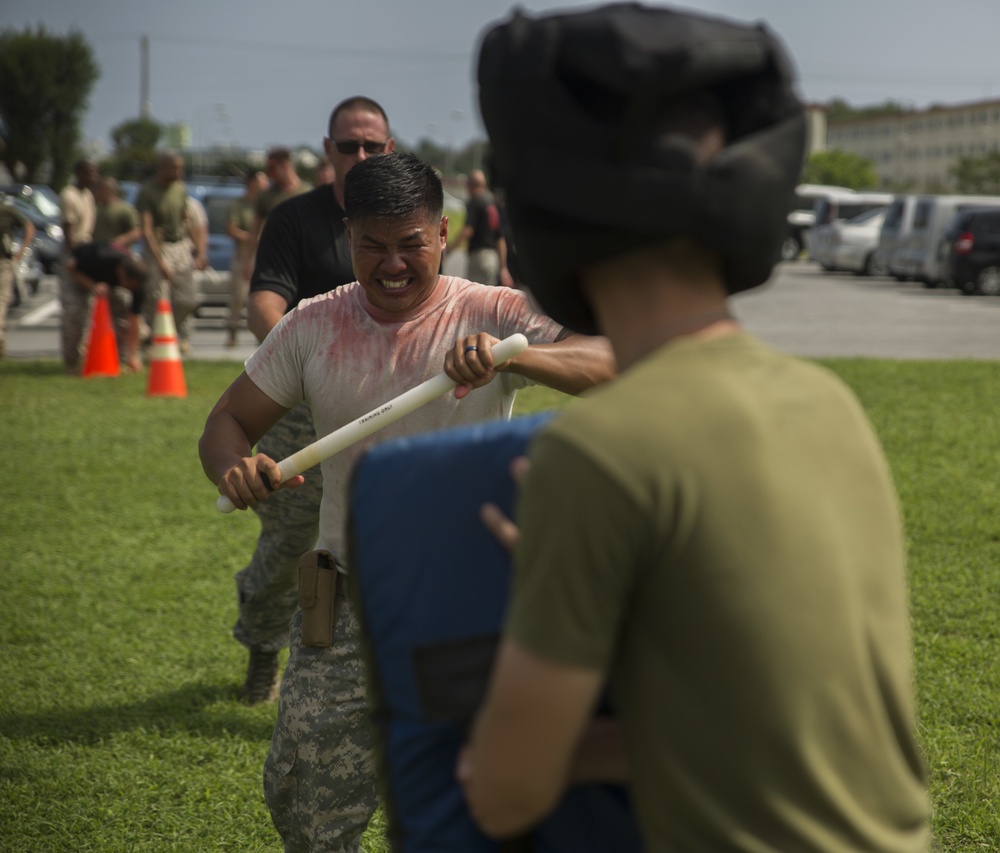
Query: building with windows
916, 151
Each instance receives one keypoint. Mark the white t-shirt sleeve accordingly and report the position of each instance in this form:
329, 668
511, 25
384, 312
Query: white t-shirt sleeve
275, 366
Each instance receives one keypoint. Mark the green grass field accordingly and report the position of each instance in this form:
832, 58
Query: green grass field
119, 726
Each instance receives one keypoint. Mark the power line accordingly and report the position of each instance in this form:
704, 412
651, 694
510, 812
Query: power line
298, 48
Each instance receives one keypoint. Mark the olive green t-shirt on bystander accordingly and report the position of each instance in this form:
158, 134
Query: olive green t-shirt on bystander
267, 200
114, 219
167, 206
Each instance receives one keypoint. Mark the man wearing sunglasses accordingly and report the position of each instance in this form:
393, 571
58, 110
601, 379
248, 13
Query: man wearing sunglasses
302, 252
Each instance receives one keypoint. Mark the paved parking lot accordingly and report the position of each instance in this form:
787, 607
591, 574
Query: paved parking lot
808, 312
802, 310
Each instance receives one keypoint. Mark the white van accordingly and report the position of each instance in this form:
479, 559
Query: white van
892, 237
802, 217
833, 207
919, 258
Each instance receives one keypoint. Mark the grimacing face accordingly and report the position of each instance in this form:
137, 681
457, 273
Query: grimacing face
397, 261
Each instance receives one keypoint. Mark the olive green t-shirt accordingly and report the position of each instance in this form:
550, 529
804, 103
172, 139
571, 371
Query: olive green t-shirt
267, 200
167, 206
114, 219
717, 531
241, 213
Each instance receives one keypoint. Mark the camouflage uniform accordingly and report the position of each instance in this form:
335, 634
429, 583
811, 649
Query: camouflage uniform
179, 289
168, 208
79, 209
289, 521
75, 304
319, 777
10, 221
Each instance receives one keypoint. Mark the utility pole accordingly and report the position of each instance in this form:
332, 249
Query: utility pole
144, 109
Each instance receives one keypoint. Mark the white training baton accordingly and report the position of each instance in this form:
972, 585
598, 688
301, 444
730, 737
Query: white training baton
384, 415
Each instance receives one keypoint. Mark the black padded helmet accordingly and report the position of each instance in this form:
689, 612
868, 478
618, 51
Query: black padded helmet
571, 103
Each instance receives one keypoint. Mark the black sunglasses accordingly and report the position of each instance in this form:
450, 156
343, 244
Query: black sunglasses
351, 146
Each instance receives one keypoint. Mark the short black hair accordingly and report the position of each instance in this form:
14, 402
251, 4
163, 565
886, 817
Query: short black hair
356, 103
279, 154
389, 186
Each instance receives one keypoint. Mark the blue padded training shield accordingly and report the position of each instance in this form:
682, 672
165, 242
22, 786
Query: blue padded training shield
430, 584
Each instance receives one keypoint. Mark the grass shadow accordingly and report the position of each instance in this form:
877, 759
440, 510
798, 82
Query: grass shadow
32, 367
194, 709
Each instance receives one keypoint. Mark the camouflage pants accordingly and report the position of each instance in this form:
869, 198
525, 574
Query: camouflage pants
319, 777
180, 289
6, 291
267, 587
75, 306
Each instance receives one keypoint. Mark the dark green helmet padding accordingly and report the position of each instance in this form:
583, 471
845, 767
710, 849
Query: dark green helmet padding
571, 104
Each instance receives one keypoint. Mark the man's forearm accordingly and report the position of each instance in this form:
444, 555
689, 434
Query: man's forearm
572, 365
153, 246
253, 239
29, 238
222, 445
128, 237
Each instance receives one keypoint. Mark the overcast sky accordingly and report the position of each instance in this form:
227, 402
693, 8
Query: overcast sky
261, 72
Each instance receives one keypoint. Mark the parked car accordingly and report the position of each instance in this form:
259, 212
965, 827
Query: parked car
834, 207
40, 196
855, 243
970, 252
895, 229
47, 245
802, 217
920, 257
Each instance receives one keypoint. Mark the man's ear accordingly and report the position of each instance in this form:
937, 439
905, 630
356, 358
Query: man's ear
444, 231
390, 145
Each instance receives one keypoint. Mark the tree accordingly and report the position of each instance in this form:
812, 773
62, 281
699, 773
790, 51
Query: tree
432, 153
978, 174
839, 110
45, 81
840, 168
135, 142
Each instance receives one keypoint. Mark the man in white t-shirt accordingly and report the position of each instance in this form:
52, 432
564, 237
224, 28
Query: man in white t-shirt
345, 352
77, 205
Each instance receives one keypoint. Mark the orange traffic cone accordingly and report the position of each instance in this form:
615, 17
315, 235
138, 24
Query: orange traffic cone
102, 348
166, 374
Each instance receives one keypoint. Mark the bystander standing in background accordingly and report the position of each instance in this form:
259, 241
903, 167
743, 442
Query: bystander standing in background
11, 221
163, 214
238, 227
79, 210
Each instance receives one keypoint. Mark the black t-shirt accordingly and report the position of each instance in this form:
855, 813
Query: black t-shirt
303, 247
100, 261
